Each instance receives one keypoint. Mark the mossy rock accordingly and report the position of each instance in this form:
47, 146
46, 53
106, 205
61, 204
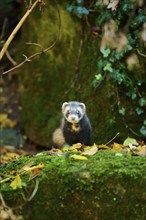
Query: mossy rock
106, 186
59, 75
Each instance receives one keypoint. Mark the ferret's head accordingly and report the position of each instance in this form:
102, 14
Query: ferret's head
73, 111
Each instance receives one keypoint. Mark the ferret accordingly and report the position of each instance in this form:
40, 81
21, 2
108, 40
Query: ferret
75, 126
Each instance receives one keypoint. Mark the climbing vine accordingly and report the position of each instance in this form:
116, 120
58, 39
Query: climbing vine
120, 29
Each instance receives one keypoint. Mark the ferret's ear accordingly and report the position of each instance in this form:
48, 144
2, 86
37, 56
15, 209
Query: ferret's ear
83, 106
65, 104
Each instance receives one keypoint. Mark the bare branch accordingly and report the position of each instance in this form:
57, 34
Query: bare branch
7, 43
10, 58
3, 28
28, 59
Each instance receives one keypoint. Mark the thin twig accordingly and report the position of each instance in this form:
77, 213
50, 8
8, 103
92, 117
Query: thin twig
35, 44
3, 202
33, 193
28, 59
3, 28
10, 58
18, 26
112, 138
141, 54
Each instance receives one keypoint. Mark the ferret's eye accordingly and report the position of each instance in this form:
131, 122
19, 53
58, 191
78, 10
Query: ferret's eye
68, 112
78, 113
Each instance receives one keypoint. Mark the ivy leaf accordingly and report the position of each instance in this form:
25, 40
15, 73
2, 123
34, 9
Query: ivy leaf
70, 8
16, 183
142, 102
122, 111
108, 67
130, 141
139, 111
81, 10
132, 94
105, 52
143, 131
79, 1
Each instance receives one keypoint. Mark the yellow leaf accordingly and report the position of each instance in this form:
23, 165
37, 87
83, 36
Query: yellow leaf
28, 168
16, 183
5, 121
3, 117
39, 166
77, 146
78, 157
102, 146
91, 151
117, 147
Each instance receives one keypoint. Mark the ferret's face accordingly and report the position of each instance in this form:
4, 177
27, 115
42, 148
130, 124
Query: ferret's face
73, 111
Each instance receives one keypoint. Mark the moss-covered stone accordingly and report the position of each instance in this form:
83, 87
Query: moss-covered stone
59, 75
106, 186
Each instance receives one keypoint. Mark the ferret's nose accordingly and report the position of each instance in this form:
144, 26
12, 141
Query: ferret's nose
73, 118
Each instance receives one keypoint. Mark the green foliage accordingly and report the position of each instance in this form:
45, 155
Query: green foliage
129, 18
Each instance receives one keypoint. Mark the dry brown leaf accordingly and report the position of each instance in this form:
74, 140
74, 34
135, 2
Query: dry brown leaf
132, 61
91, 151
25, 167
113, 38
34, 173
141, 151
113, 4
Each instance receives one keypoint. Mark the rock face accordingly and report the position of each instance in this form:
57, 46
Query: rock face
65, 73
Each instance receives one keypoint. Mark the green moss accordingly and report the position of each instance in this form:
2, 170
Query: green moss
99, 188
58, 76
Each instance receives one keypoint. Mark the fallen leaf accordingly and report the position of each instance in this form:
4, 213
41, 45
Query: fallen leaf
102, 146
25, 167
78, 157
129, 141
117, 147
16, 183
141, 151
6, 122
34, 173
77, 146
39, 166
113, 4
29, 168
91, 151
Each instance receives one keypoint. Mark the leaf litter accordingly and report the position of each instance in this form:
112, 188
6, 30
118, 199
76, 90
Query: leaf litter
75, 152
